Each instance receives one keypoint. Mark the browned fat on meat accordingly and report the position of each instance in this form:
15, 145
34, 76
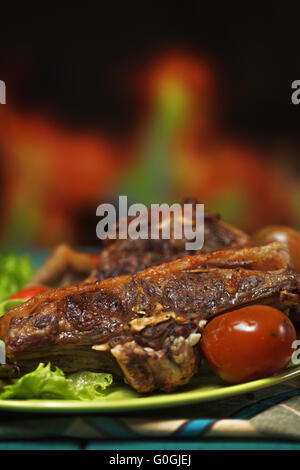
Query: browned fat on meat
131, 256
66, 265
145, 326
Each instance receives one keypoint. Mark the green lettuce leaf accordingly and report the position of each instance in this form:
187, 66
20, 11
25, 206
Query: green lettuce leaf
90, 385
15, 272
46, 383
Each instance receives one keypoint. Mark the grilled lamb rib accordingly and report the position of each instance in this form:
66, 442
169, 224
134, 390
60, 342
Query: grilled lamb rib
131, 256
145, 326
66, 265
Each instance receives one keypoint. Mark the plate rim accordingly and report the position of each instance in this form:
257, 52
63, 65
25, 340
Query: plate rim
148, 402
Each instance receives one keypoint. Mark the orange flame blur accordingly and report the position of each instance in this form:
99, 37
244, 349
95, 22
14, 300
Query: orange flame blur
56, 173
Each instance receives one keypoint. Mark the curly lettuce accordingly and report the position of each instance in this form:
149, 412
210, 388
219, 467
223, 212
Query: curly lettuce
53, 384
15, 272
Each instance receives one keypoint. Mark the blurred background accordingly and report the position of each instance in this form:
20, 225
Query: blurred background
155, 102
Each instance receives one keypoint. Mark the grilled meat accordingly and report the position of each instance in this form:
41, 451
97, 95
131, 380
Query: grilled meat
131, 256
66, 265
145, 326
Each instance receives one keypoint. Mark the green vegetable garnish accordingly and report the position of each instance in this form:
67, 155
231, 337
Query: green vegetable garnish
45, 383
15, 272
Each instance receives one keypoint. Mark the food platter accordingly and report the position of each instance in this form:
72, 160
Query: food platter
122, 398
162, 330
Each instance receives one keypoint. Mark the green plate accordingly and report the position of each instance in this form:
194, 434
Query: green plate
123, 399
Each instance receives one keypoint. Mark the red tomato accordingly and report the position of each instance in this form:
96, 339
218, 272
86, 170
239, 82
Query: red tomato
28, 292
249, 343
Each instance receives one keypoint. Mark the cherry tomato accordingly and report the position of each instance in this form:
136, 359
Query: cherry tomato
249, 343
287, 236
28, 292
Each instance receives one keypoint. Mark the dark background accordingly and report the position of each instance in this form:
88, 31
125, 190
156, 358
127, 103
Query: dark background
75, 56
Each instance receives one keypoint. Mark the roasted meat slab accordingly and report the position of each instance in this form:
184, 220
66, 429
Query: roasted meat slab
66, 265
146, 326
131, 256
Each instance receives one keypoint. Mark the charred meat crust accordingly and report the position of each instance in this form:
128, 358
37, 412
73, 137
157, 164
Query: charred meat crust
140, 291
131, 256
66, 265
